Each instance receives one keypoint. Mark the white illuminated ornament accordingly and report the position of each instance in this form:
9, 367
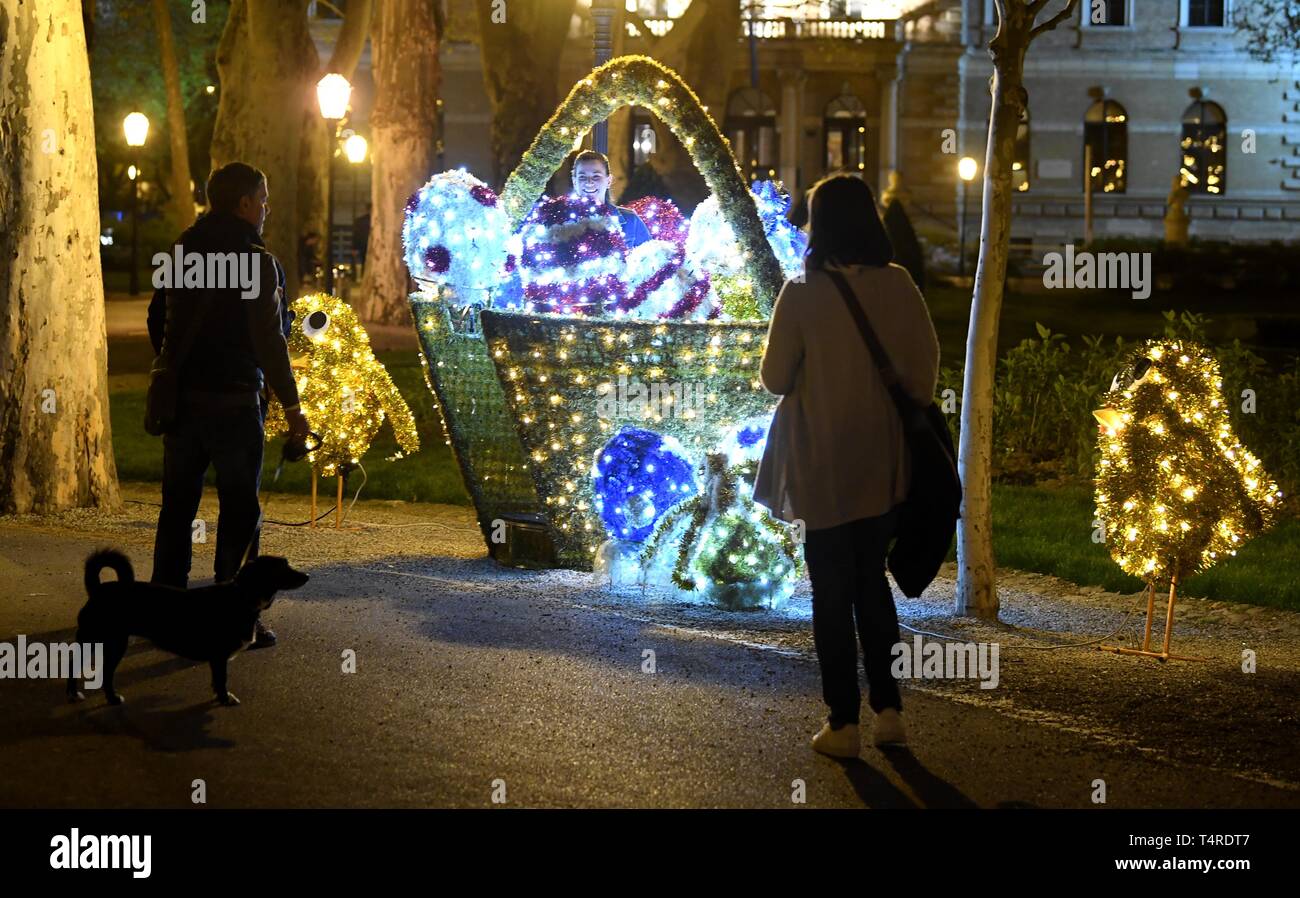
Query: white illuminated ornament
456, 234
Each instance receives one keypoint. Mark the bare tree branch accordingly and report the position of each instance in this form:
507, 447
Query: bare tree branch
351, 39
1054, 20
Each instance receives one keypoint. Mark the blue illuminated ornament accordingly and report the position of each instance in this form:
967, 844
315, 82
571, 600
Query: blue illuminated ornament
744, 443
455, 233
638, 476
788, 242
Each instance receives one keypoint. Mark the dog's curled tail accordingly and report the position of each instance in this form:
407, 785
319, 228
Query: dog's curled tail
110, 558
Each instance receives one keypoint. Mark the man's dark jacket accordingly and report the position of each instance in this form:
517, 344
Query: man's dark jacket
240, 347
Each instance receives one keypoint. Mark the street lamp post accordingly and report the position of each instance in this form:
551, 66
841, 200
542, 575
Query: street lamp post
332, 93
602, 40
966, 169
354, 148
136, 127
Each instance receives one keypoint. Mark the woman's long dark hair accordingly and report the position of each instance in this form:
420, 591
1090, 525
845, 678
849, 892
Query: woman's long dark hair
844, 227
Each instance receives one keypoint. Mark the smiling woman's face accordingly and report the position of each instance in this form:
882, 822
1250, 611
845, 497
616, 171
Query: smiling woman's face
590, 179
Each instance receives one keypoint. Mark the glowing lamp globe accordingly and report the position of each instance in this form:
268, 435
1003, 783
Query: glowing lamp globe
136, 126
332, 93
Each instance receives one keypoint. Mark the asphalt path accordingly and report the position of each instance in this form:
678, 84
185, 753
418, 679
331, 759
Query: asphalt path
472, 689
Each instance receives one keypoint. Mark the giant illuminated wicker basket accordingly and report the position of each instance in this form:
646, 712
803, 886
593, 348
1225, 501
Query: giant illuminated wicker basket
526, 413
520, 393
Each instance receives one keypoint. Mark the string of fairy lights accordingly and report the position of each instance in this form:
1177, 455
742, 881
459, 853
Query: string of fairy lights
345, 392
621, 371
1176, 489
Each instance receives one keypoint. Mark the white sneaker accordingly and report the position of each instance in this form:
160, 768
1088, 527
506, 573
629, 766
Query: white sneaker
845, 742
889, 729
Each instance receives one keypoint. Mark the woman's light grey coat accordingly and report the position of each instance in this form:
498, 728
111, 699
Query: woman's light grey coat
835, 452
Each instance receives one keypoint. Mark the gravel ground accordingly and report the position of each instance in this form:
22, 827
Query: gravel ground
1207, 713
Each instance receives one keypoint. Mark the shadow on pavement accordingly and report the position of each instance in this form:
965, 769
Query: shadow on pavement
933, 791
37, 709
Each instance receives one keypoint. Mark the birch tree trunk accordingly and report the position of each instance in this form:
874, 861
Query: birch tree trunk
976, 574
56, 448
182, 198
403, 131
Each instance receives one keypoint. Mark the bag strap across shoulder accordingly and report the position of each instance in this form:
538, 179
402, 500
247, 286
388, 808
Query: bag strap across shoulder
906, 404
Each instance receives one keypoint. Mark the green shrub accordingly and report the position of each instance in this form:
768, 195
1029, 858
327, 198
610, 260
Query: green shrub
1046, 392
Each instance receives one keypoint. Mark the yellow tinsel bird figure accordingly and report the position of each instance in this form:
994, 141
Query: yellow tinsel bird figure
345, 391
1176, 491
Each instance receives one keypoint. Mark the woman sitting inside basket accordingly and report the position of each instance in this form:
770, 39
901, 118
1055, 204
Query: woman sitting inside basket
591, 180
835, 456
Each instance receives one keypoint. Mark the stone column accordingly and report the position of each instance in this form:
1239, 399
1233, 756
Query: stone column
792, 82
888, 76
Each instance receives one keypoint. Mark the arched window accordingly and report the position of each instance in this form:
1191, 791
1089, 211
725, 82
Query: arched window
1020, 165
1105, 133
1203, 149
845, 129
751, 128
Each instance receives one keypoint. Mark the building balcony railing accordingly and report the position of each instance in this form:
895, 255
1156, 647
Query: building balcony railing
795, 29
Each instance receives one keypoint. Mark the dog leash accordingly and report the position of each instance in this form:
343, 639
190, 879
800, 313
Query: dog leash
291, 451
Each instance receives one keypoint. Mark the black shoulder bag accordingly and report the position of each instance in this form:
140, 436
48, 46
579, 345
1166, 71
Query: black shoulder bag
928, 516
162, 400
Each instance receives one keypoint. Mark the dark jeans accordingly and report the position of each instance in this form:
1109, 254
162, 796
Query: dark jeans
231, 441
846, 565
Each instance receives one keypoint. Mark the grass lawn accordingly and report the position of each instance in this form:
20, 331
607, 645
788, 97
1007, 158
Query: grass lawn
1050, 531
429, 475
1035, 528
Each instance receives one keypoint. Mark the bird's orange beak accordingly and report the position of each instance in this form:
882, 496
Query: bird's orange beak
1109, 418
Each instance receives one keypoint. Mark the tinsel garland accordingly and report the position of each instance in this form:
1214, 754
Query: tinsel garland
662, 285
641, 81
662, 219
573, 256
736, 292
695, 295
638, 294
1176, 490
702, 563
346, 392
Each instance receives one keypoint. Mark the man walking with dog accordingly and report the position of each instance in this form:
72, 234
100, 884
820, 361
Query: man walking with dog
227, 342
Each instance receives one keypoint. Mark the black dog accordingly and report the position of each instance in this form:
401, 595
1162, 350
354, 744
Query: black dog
209, 624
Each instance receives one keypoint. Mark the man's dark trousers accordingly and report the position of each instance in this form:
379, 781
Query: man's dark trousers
230, 439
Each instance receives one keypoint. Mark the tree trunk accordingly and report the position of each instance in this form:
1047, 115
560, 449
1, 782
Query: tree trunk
521, 70
317, 150
56, 447
702, 49
262, 62
403, 130
182, 198
976, 575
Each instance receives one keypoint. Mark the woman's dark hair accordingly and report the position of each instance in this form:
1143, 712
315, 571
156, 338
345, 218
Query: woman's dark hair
591, 156
844, 227
231, 183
